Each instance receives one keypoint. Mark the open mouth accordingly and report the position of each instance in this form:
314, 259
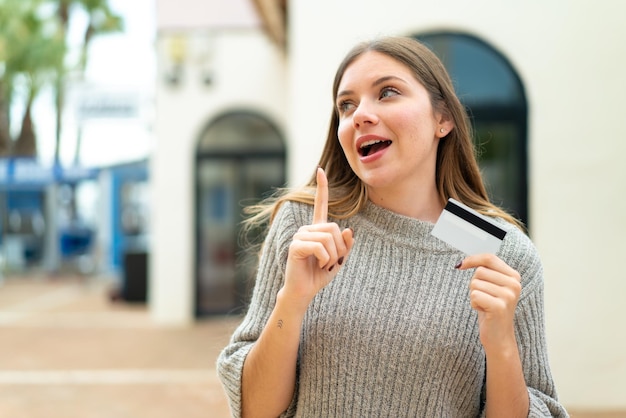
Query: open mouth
372, 147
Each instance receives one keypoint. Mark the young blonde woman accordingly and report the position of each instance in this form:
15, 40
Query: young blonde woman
358, 311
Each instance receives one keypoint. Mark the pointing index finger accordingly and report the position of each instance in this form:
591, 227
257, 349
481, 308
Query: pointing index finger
320, 206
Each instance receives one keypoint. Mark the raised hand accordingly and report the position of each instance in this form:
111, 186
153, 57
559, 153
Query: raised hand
317, 251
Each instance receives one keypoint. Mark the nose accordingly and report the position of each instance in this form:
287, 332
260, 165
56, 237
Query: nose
364, 114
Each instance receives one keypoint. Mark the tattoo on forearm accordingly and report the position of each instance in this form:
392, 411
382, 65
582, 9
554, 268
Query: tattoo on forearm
280, 323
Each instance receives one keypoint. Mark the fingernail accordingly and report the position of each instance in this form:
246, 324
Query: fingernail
459, 264
331, 268
340, 261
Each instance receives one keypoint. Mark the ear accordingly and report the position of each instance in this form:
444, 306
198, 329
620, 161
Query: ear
444, 125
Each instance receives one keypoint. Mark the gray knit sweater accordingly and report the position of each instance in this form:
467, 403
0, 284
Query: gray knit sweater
393, 335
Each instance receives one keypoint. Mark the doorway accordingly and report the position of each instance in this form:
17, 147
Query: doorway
240, 159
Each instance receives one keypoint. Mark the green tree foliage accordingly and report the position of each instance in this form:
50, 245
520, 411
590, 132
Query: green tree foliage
34, 53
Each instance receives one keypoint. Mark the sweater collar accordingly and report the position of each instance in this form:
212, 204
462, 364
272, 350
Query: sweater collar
403, 229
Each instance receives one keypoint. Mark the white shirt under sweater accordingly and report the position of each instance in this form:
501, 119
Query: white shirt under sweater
393, 335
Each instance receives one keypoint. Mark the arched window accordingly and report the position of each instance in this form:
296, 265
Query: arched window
240, 158
492, 92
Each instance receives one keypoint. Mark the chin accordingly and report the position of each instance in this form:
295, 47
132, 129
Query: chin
375, 181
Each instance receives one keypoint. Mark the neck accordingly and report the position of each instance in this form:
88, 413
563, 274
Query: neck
419, 203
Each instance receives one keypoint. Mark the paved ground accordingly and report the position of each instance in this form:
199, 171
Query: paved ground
67, 351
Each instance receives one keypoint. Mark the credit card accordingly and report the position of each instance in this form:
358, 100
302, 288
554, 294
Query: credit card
467, 230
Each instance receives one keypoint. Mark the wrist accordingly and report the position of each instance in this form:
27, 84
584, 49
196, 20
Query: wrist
291, 304
502, 351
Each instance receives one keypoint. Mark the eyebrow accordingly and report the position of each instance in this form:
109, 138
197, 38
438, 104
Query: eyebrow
374, 84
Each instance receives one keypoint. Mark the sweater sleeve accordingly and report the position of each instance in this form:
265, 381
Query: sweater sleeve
522, 255
269, 280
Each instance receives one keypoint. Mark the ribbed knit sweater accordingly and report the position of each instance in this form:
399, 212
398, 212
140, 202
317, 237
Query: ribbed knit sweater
393, 334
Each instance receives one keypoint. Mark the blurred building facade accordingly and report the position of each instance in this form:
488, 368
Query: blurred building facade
243, 102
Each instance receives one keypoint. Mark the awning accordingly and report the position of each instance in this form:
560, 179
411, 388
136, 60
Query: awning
29, 173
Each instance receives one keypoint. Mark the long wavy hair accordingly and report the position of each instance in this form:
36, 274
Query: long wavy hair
457, 172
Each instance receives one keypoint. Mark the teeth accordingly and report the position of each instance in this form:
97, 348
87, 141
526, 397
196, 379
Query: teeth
370, 143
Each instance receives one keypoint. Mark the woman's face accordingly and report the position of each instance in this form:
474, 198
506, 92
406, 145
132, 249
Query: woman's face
387, 127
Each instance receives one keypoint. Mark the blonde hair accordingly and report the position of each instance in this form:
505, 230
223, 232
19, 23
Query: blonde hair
457, 172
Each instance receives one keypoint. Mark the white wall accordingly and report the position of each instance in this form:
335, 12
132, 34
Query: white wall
570, 56
248, 73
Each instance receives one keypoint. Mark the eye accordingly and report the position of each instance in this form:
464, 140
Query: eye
388, 92
344, 106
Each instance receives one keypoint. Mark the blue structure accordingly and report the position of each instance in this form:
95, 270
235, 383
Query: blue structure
27, 221
40, 224
128, 213
123, 189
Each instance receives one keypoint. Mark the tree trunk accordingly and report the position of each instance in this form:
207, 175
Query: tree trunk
79, 143
63, 13
5, 126
58, 104
26, 143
